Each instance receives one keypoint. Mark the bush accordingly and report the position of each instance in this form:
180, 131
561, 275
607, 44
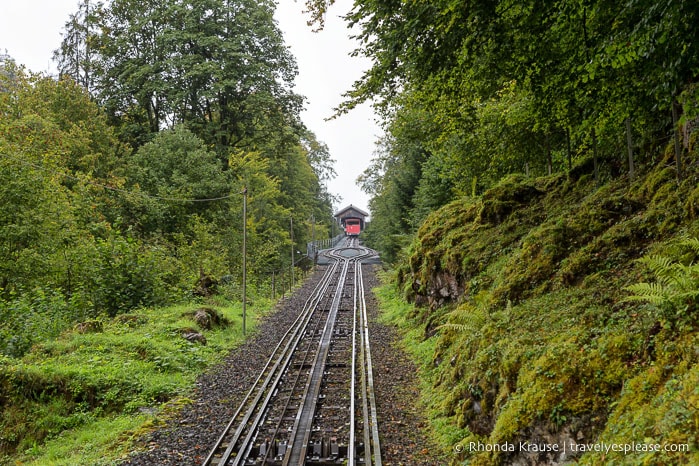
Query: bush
35, 316
126, 275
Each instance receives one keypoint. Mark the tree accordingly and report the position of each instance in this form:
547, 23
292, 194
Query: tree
220, 66
179, 178
516, 85
58, 154
194, 87
267, 218
78, 55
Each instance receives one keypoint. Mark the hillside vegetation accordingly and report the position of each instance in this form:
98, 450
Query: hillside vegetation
83, 397
528, 298
122, 180
169, 143
536, 194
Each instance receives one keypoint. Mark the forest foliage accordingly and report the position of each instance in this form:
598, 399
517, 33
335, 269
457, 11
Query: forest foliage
121, 180
536, 193
471, 91
560, 313
532, 151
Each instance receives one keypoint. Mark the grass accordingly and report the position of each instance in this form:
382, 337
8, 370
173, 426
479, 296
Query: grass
82, 397
100, 443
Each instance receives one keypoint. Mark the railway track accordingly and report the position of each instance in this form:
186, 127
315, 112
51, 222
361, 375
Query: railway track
313, 402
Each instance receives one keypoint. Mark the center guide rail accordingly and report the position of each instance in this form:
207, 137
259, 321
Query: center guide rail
313, 402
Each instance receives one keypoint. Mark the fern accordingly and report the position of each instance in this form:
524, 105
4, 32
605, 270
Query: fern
691, 244
466, 319
469, 317
653, 293
456, 327
676, 289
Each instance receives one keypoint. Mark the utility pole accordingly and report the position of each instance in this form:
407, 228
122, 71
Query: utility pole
313, 238
245, 231
291, 232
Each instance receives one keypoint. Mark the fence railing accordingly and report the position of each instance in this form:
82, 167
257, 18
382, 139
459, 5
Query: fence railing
314, 246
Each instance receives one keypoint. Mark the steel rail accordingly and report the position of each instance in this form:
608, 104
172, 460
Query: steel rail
252, 431
351, 444
288, 401
291, 335
374, 423
365, 402
259, 398
304, 417
369, 415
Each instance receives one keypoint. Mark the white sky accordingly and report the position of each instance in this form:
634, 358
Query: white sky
31, 29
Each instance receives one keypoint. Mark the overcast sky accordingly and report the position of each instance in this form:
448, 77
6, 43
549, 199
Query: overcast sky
31, 29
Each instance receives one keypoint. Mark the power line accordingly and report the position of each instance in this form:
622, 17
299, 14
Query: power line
112, 188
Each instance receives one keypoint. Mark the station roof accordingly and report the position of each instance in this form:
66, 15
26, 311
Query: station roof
351, 211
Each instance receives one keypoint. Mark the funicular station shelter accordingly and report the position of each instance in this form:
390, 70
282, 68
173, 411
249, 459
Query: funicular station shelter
352, 220
351, 216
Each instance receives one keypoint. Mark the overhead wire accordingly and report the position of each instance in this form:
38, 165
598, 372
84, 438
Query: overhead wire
112, 188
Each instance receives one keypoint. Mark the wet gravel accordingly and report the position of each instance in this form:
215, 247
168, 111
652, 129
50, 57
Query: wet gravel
187, 437
402, 424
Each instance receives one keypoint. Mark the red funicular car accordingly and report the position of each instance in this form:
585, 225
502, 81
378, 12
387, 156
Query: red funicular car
352, 226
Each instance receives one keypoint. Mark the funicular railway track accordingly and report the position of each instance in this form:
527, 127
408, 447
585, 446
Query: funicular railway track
313, 402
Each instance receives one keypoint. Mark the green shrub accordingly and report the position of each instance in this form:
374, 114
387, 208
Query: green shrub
38, 315
127, 275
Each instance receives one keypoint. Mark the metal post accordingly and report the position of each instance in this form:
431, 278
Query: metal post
291, 232
245, 231
313, 239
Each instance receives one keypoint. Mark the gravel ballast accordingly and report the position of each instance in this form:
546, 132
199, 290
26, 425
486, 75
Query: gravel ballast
187, 437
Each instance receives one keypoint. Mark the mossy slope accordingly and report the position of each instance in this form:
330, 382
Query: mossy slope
524, 288
78, 399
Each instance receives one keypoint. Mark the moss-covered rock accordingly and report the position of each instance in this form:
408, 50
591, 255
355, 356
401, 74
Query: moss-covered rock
511, 193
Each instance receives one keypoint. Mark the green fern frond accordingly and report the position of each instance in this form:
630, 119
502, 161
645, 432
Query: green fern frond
662, 267
690, 243
676, 289
457, 327
466, 318
653, 293
682, 278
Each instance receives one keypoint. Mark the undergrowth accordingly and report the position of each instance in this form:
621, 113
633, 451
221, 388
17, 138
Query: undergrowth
560, 312
81, 397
